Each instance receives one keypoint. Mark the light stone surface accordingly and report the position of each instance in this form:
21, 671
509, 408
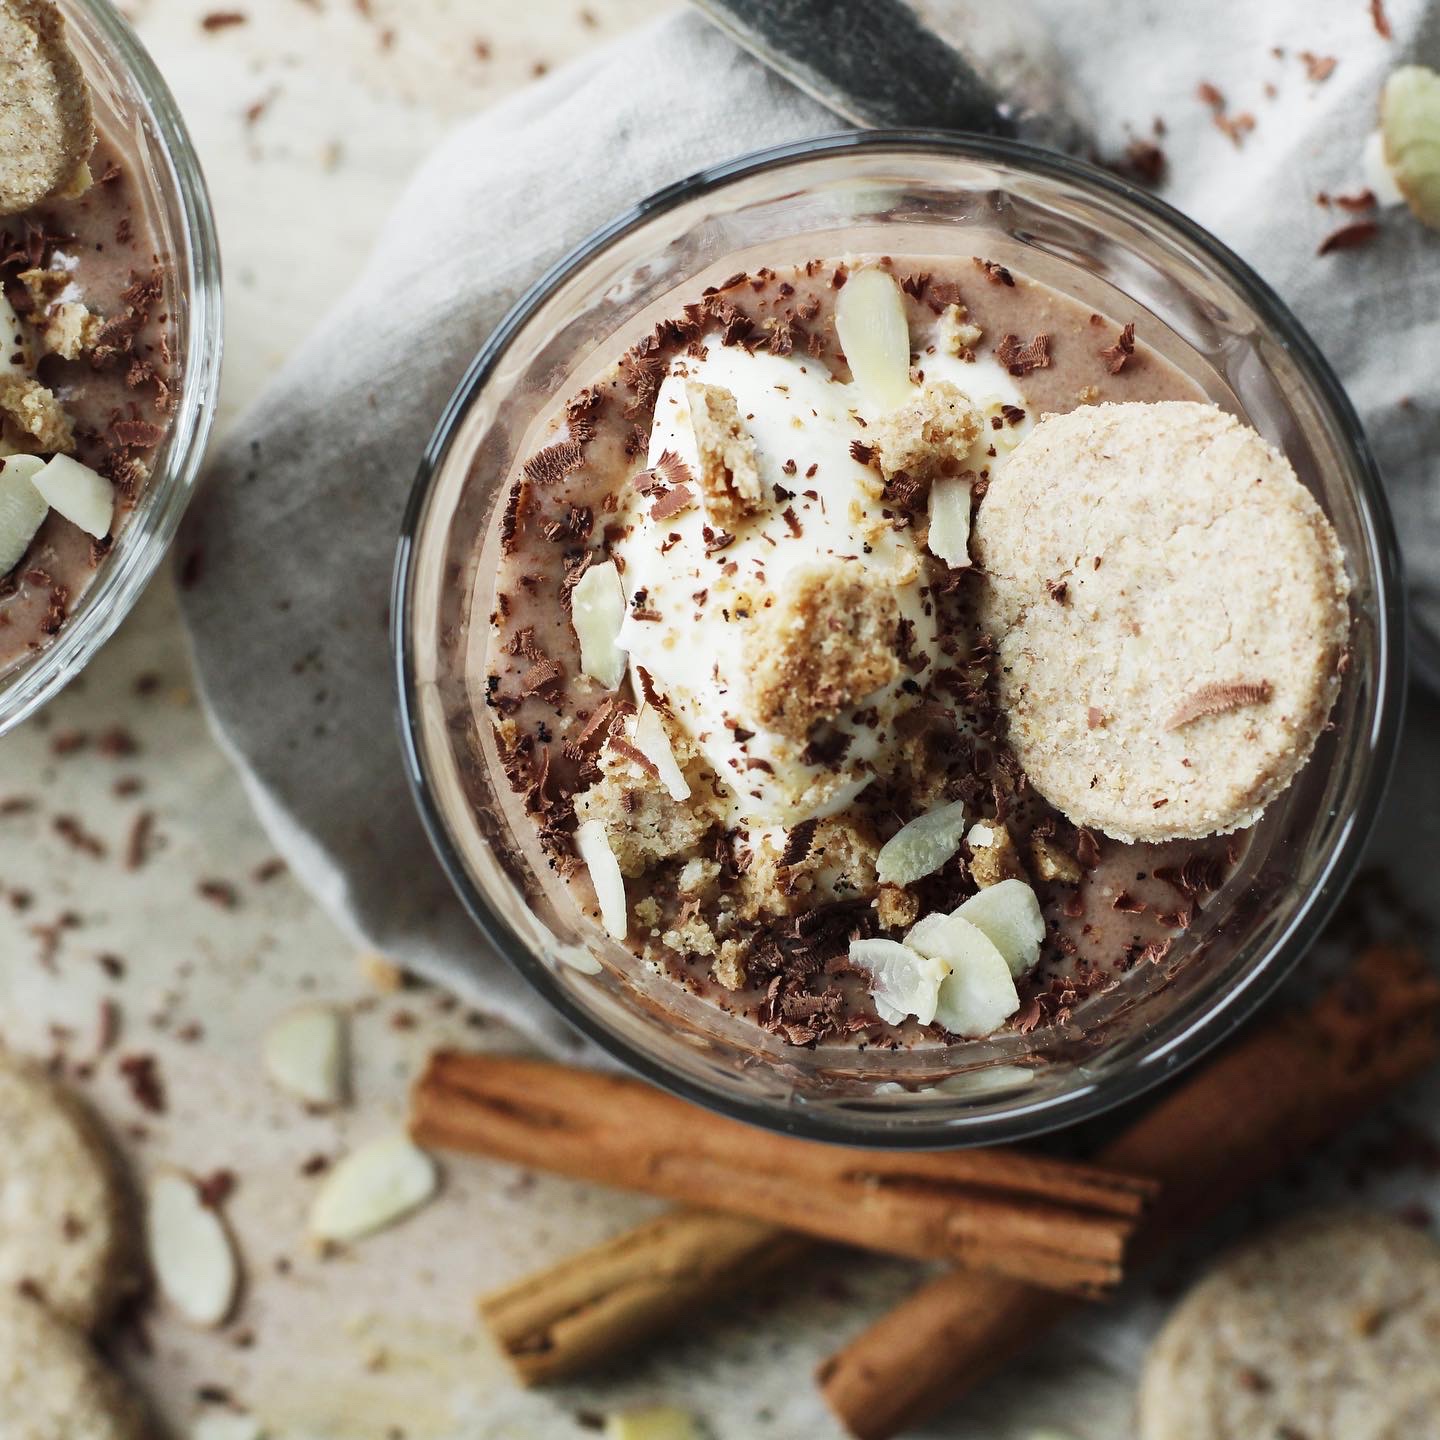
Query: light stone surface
381, 1341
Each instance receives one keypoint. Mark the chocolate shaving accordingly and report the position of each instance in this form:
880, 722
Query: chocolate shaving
1217, 698
995, 273
1380, 20
1349, 237
672, 502
576, 526
543, 679
1117, 355
552, 464
862, 453
621, 746
1318, 68
798, 842
1057, 590
1021, 359
673, 470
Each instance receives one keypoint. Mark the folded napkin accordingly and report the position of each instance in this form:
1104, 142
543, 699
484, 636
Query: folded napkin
298, 523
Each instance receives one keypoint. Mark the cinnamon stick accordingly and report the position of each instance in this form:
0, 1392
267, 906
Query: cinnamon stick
1051, 1222
1279, 1092
605, 1300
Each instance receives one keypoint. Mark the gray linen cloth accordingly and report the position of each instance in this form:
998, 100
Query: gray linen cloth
298, 525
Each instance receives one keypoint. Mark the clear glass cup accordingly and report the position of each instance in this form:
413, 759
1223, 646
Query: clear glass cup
923, 194
135, 109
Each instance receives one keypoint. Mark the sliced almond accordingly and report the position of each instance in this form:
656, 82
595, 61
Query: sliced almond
949, 537
1009, 914
304, 1054
903, 981
82, 495
594, 846
921, 847
372, 1187
978, 994
656, 1422
1410, 124
22, 508
652, 740
190, 1250
875, 336
597, 611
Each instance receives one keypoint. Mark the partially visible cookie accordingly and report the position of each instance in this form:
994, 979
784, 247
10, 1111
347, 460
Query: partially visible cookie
54, 1387
1170, 608
1327, 1328
47, 128
68, 1231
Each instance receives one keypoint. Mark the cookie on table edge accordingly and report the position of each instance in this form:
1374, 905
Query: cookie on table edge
54, 1387
1327, 1326
1170, 608
69, 1224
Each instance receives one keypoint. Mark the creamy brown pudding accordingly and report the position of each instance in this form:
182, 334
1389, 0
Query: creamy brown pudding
87, 370
737, 676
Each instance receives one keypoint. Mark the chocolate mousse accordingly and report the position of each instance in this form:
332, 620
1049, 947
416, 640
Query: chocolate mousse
749, 675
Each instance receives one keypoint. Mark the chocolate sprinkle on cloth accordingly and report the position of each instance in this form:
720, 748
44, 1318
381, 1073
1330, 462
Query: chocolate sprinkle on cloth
294, 539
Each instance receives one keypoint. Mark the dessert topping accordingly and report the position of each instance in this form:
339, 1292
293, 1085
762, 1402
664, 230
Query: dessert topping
922, 846
594, 846
597, 611
875, 337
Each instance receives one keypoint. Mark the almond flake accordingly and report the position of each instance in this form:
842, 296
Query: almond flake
594, 846
1410, 124
949, 537
83, 496
372, 1187
921, 847
978, 993
903, 981
304, 1054
597, 611
22, 508
653, 741
190, 1250
1009, 915
875, 336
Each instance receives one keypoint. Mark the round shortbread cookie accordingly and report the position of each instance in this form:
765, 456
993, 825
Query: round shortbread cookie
68, 1228
1169, 604
54, 1387
47, 128
1327, 1327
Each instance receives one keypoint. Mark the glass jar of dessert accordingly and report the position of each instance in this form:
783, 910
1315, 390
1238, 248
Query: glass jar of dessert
900, 639
110, 312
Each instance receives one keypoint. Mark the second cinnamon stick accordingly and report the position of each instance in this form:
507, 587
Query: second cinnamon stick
1243, 1118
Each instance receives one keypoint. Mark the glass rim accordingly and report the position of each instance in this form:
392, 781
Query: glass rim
1213, 1017
121, 580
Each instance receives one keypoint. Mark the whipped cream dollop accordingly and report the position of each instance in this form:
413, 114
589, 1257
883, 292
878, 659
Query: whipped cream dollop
709, 609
